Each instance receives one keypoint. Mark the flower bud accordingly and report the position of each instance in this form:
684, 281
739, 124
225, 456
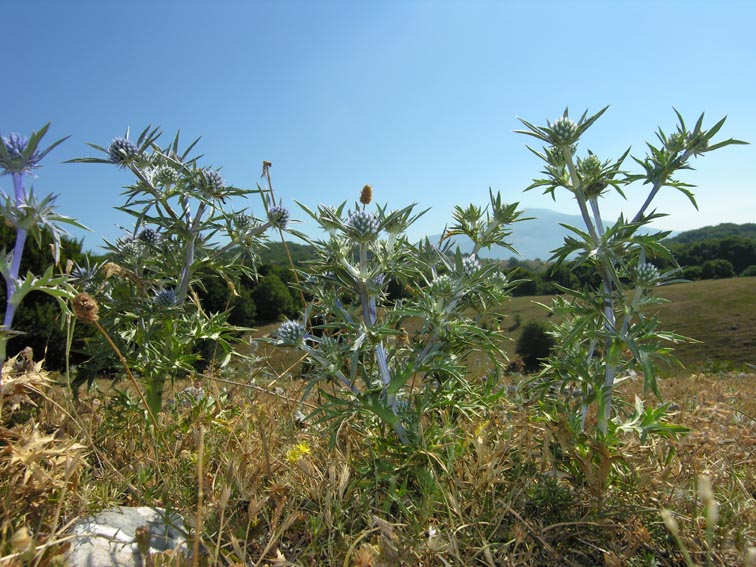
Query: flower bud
564, 132
675, 142
165, 175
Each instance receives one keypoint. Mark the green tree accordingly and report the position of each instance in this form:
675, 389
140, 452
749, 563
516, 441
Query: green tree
534, 345
272, 299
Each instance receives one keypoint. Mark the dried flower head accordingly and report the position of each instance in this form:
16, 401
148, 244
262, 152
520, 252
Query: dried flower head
85, 307
366, 195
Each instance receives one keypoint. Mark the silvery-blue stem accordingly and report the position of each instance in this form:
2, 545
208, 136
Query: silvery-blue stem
18, 251
189, 249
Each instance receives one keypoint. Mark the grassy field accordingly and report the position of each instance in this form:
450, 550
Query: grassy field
719, 314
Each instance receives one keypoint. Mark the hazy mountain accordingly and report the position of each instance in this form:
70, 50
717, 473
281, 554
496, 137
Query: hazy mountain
533, 238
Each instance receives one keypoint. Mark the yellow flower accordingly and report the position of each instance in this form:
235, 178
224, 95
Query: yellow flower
297, 452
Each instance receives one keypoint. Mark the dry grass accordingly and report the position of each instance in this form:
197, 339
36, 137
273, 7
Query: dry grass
487, 491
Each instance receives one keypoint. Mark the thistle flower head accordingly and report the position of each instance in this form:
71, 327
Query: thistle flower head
290, 332
242, 222
363, 226
165, 298
555, 155
165, 175
675, 142
149, 236
278, 217
13, 159
590, 167
471, 264
128, 247
122, 151
591, 171
696, 142
212, 182
366, 195
564, 132
442, 286
646, 275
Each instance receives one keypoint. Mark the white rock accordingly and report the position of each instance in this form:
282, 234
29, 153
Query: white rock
107, 539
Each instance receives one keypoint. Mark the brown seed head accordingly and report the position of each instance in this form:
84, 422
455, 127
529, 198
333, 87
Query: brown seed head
366, 195
85, 307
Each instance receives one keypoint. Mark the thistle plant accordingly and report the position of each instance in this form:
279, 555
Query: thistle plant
608, 332
29, 216
183, 229
358, 352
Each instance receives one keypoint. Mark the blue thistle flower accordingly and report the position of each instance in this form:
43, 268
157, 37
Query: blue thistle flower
212, 181
278, 217
15, 146
19, 155
122, 151
290, 332
165, 298
149, 236
128, 247
243, 222
442, 286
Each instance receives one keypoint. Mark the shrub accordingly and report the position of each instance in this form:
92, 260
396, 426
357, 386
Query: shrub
534, 345
749, 272
717, 269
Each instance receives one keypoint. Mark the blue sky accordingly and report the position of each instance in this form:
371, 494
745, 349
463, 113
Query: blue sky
418, 99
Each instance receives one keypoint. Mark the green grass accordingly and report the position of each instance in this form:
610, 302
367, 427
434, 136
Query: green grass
720, 314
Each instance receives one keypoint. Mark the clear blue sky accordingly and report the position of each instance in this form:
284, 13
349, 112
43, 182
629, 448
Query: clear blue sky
418, 99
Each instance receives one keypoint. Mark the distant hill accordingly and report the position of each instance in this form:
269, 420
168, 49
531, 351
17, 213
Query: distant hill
533, 239
747, 230
275, 254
